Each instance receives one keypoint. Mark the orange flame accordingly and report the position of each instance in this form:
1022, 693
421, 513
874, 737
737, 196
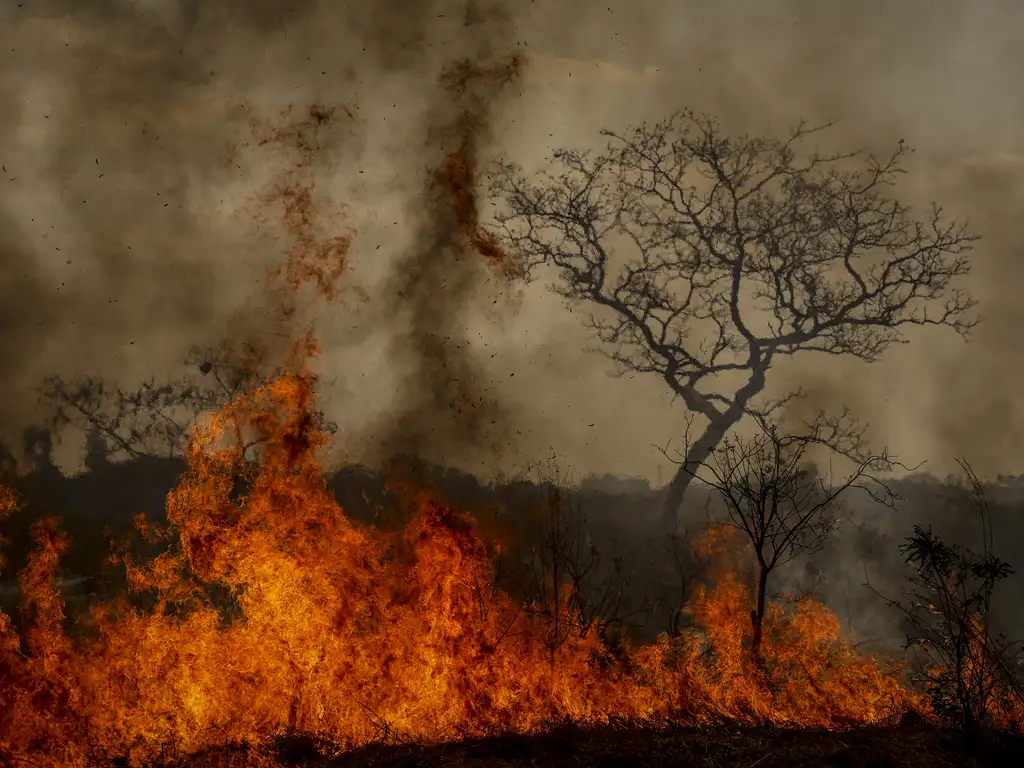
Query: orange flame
341, 631
269, 610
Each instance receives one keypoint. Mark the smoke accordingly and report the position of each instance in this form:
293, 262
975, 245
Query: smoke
98, 216
153, 143
934, 74
446, 411
123, 192
120, 141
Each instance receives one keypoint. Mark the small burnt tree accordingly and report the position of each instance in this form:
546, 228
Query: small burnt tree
154, 418
781, 504
969, 669
704, 258
567, 582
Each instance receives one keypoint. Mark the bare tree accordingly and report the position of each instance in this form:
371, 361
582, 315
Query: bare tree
779, 502
704, 258
154, 418
567, 583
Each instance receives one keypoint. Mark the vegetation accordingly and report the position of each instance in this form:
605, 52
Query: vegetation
261, 612
704, 258
971, 672
780, 503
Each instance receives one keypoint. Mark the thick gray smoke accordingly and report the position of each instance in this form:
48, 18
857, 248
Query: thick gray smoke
126, 237
133, 168
445, 409
125, 243
938, 75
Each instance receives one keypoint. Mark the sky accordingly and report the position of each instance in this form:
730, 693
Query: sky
130, 175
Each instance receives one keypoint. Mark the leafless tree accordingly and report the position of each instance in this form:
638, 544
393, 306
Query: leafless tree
784, 507
687, 566
154, 418
704, 258
567, 583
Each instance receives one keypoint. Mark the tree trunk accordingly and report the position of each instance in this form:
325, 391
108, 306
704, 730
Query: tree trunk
695, 457
715, 431
757, 616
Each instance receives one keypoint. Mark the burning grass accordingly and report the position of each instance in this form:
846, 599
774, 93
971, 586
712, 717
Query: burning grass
335, 635
345, 633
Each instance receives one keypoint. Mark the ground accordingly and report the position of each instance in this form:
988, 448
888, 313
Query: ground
908, 746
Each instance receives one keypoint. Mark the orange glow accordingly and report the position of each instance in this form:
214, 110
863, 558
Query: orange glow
349, 633
342, 631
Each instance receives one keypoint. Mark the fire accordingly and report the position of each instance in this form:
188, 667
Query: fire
344, 632
812, 675
267, 610
976, 680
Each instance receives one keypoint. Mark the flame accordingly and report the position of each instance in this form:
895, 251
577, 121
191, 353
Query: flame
986, 686
267, 610
344, 632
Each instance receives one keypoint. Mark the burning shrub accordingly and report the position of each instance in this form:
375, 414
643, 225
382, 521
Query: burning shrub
969, 670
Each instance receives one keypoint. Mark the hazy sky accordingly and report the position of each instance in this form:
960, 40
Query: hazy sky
124, 236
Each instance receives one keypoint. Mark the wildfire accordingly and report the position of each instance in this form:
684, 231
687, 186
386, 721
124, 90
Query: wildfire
340, 631
267, 610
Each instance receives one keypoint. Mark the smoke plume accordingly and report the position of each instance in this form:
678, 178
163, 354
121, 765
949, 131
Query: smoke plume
127, 230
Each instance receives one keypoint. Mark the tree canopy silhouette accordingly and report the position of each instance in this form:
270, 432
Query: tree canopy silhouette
704, 258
